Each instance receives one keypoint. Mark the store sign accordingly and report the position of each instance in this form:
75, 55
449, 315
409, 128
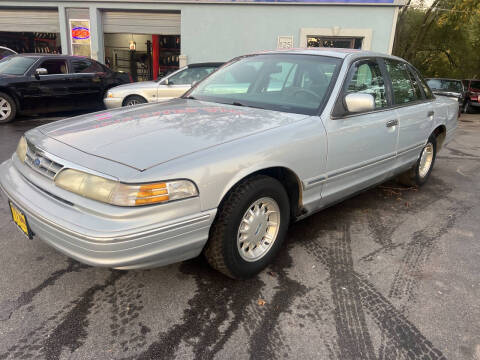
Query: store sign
80, 33
80, 40
285, 42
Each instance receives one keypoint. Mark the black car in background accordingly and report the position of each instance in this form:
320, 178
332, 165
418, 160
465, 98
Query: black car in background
472, 95
4, 52
448, 87
38, 83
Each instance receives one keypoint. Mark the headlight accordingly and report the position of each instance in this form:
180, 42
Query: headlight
116, 193
22, 149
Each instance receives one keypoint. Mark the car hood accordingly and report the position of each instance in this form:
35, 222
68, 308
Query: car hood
147, 135
136, 86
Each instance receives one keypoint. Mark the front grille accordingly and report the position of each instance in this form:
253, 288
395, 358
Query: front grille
41, 163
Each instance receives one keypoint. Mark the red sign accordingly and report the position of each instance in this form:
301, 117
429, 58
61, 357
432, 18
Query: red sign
80, 33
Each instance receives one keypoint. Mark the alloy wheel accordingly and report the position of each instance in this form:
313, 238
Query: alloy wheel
426, 160
258, 229
5, 109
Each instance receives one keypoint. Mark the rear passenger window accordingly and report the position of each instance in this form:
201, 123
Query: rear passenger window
86, 66
367, 78
404, 90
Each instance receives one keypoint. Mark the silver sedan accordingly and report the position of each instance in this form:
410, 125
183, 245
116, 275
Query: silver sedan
169, 87
266, 140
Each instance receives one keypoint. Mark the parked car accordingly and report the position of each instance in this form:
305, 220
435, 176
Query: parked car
169, 87
448, 87
4, 52
472, 101
225, 169
38, 83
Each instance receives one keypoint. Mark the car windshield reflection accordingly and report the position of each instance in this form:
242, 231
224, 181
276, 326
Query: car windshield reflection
290, 83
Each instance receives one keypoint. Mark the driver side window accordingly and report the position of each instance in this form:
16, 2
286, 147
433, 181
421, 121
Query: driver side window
55, 66
368, 79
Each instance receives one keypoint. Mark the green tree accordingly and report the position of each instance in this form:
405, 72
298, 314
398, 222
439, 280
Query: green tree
441, 40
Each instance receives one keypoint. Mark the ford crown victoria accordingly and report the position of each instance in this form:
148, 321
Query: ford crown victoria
268, 139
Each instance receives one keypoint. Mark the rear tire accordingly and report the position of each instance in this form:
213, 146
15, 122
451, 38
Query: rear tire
8, 108
250, 227
133, 100
420, 172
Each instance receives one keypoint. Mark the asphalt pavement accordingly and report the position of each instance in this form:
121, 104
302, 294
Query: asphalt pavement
392, 273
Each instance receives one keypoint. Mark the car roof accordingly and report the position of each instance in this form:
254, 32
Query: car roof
206, 64
331, 52
35, 55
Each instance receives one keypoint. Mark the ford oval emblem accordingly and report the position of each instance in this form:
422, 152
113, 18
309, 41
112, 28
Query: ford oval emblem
37, 162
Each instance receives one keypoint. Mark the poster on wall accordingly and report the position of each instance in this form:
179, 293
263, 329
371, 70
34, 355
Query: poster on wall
80, 37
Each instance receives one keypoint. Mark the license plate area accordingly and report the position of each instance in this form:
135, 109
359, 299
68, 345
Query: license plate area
20, 220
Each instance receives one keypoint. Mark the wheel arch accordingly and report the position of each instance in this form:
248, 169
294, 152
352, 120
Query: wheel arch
125, 98
440, 133
286, 176
11, 93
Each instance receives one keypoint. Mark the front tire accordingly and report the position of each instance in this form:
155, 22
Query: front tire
250, 227
134, 100
8, 108
420, 172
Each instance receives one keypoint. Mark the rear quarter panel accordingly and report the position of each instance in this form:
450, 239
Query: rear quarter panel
446, 114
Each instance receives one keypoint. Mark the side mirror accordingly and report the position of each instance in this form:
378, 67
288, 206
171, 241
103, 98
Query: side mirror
359, 102
40, 71
166, 82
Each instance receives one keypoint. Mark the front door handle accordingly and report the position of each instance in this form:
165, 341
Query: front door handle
431, 113
391, 123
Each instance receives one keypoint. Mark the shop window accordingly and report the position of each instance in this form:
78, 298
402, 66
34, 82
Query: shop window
368, 79
80, 37
31, 42
403, 89
55, 66
334, 42
86, 66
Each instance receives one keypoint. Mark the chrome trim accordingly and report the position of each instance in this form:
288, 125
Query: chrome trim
357, 167
326, 178
414, 147
68, 164
45, 166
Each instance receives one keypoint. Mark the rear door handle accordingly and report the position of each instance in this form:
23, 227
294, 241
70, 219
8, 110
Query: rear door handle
431, 113
391, 123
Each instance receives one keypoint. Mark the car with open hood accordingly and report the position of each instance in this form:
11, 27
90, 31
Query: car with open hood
267, 139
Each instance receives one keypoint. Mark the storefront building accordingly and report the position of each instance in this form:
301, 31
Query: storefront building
149, 38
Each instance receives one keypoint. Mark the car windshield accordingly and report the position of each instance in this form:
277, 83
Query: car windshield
287, 82
446, 85
16, 65
475, 85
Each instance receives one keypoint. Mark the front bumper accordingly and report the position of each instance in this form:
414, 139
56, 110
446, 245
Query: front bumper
133, 248
112, 103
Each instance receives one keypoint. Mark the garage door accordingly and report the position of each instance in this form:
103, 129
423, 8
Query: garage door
141, 23
29, 21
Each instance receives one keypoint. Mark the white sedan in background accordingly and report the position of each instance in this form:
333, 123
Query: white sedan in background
169, 87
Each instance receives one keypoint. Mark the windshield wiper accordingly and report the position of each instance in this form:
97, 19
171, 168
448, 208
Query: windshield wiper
236, 103
190, 97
